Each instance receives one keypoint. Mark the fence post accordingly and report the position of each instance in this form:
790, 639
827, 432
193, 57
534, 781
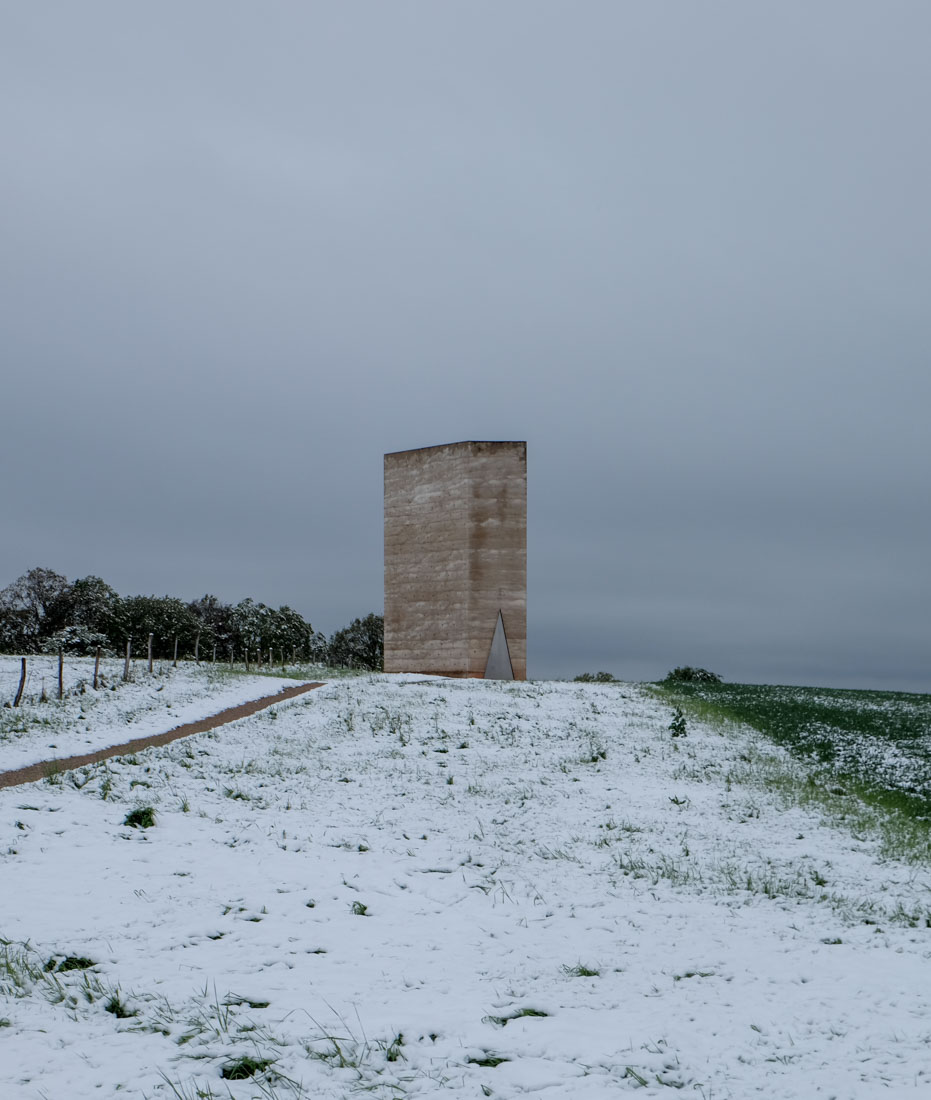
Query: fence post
97, 669
197, 649
175, 662
247, 658
126, 662
150, 654
61, 675
231, 656
214, 653
22, 684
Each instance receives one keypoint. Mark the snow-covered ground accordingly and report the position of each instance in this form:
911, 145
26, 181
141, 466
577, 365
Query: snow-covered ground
455, 888
42, 728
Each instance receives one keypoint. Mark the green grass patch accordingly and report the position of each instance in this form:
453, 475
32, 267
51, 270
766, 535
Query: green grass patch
869, 751
488, 1061
581, 971
876, 739
118, 1007
244, 1068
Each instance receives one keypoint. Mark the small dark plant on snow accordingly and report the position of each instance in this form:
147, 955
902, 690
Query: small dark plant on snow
117, 1006
244, 1068
677, 726
143, 817
594, 678
69, 962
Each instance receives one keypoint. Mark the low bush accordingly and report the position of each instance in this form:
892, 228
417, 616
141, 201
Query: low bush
141, 818
688, 675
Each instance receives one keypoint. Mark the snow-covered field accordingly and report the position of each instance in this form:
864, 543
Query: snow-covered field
455, 888
85, 720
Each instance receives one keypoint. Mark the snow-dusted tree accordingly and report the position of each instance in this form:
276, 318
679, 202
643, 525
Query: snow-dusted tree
31, 608
165, 618
42, 611
92, 603
79, 640
291, 630
359, 645
255, 626
215, 621
317, 647
12, 628
250, 621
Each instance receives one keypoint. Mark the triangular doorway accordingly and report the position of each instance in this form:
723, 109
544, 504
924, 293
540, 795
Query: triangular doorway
498, 666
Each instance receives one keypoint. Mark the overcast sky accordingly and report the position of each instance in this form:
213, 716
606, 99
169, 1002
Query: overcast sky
683, 249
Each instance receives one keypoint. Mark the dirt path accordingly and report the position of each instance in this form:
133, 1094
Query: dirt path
34, 772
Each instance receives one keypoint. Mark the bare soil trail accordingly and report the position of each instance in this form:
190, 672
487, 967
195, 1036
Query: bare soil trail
35, 772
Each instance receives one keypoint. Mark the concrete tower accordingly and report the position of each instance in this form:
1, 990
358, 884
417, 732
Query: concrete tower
456, 560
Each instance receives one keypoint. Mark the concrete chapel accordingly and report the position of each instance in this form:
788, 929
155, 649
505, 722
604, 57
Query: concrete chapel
456, 560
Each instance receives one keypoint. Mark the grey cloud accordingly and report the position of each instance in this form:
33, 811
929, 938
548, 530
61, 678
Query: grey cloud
683, 251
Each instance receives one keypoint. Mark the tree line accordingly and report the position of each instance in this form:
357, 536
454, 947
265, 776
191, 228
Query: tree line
44, 612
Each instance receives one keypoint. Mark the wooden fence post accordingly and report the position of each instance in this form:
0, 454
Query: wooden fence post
150, 654
22, 684
247, 658
231, 656
197, 649
126, 662
61, 675
97, 669
175, 662
214, 653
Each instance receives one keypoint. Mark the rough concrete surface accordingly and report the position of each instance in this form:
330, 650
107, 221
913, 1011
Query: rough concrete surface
455, 555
